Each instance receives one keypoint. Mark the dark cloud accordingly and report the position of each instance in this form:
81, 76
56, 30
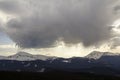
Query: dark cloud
10, 6
117, 8
47, 21
14, 7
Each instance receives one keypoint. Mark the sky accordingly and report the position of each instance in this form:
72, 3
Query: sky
64, 28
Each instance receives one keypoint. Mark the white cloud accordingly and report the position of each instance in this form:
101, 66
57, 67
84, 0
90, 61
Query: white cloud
8, 49
8, 46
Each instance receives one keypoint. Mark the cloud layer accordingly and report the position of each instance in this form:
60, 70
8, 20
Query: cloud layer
42, 23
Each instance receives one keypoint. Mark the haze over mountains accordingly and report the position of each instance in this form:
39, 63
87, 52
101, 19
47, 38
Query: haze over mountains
24, 56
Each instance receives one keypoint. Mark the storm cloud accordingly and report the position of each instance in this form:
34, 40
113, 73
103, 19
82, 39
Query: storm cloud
42, 23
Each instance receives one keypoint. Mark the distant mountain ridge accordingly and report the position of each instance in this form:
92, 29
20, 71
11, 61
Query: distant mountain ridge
97, 54
95, 62
24, 56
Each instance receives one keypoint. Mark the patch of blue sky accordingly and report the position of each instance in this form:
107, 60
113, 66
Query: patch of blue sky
4, 39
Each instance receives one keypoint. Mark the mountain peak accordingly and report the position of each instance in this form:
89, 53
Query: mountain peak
23, 54
97, 54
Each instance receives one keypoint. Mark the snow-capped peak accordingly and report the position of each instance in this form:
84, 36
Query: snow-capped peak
21, 56
24, 56
97, 54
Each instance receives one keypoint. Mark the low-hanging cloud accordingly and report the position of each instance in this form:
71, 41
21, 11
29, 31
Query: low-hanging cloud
41, 23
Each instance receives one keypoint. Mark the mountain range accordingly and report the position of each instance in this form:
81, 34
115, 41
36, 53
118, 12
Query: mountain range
24, 56
96, 62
